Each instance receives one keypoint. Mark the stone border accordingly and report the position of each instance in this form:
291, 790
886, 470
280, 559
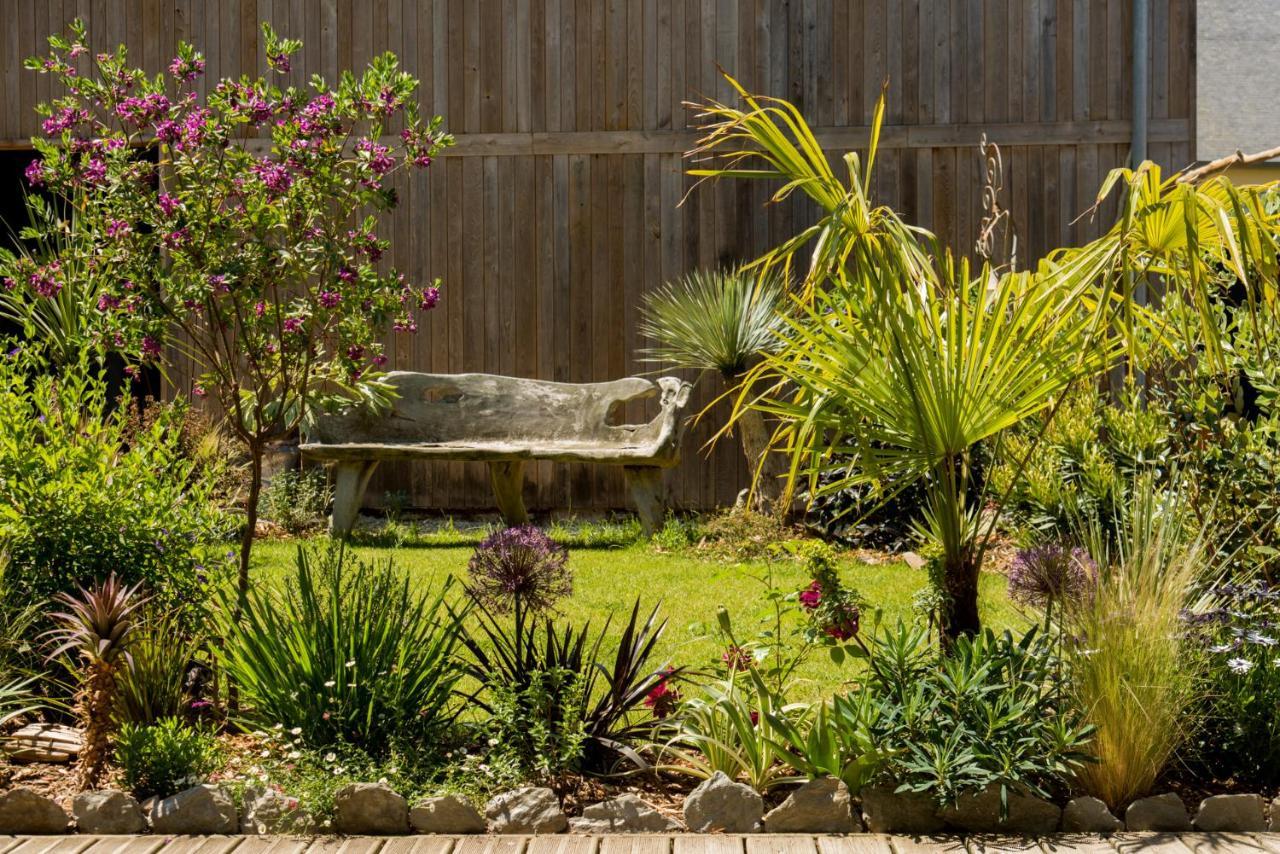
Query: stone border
719, 805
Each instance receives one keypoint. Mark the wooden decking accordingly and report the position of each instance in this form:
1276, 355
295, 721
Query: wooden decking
1129, 843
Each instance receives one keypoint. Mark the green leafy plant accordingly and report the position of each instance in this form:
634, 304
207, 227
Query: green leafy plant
536, 729
97, 629
734, 726
349, 651
84, 494
721, 321
165, 757
836, 739
297, 500
991, 712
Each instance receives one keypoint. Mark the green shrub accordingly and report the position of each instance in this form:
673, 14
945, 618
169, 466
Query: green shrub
82, 496
989, 711
536, 729
349, 651
297, 500
164, 758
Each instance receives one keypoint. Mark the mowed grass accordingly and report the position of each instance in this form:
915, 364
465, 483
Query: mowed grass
609, 576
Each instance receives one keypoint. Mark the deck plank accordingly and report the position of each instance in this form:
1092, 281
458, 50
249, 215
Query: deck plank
1149, 843
124, 844
491, 845
1220, 843
707, 844
781, 843
927, 844
198, 844
627, 843
346, 845
52, 845
860, 843
265, 845
563, 845
420, 844
1077, 843
1003, 845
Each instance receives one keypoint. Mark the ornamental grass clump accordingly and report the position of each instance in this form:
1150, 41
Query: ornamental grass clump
1131, 670
98, 628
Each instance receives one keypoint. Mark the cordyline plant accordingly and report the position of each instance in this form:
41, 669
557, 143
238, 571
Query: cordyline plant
249, 246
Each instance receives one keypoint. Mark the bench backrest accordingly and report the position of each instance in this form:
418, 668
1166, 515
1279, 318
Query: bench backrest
448, 408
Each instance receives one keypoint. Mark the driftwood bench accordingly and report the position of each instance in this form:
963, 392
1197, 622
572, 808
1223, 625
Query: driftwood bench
504, 421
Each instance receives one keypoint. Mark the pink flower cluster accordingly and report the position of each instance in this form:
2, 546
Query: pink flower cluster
276, 177
64, 119
143, 110
187, 70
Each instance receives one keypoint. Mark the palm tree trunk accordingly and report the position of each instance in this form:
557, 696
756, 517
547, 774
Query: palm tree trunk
765, 467
960, 613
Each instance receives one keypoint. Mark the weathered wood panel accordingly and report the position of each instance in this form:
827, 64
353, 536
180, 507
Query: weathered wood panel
558, 208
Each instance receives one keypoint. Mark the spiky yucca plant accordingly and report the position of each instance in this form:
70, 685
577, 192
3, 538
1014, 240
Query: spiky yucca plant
723, 321
97, 627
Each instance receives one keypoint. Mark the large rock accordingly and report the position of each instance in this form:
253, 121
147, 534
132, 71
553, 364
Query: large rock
887, 811
1161, 812
369, 809
719, 804
22, 811
268, 812
446, 814
1240, 813
1089, 815
819, 806
1026, 815
201, 809
108, 812
627, 813
529, 810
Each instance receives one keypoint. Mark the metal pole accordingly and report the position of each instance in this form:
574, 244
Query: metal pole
1141, 84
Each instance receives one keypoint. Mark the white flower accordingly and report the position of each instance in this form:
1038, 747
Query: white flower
295, 754
1222, 647
1259, 638
493, 742
1239, 665
330, 684
331, 757
296, 731
351, 663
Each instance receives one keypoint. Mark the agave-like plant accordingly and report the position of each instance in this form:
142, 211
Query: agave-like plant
722, 321
97, 627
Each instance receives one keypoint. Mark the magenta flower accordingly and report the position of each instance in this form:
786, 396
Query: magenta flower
118, 228
430, 296
355, 352
43, 281
329, 299
279, 62
737, 659
663, 699
275, 176
811, 596
108, 302
520, 564
293, 325
34, 173
94, 171
168, 204
150, 347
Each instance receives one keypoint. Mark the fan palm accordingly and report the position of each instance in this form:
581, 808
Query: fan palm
722, 321
905, 360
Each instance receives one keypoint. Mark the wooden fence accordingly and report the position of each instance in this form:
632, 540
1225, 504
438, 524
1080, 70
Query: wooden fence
560, 205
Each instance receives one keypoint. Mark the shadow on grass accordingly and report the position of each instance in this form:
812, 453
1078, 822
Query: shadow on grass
617, 532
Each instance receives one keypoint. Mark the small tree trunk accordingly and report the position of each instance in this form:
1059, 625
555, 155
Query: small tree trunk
97, 703
754, 434
960, 613
256, 450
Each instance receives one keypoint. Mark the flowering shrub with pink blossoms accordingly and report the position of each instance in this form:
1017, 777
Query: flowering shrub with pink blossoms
249, 243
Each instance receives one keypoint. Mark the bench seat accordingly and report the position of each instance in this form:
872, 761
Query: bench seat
504, 421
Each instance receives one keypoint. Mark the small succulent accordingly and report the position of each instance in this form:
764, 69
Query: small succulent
522, 566
97, 629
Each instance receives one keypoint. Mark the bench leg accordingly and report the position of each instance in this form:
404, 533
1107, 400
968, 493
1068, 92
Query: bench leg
350, 480
507, 479
649, 492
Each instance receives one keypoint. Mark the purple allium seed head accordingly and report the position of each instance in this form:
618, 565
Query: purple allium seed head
520, 563
1051, 574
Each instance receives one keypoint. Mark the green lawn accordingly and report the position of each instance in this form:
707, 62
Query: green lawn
610, 575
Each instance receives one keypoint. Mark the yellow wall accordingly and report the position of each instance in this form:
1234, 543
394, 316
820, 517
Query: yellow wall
1261, 173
